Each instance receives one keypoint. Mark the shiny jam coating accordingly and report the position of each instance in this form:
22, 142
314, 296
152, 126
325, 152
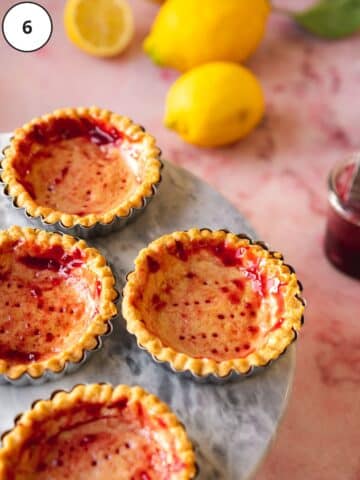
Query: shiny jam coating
47, 299
209, 299
78, 166
93, 441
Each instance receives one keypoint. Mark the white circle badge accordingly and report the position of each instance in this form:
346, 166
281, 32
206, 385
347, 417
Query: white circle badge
27, 26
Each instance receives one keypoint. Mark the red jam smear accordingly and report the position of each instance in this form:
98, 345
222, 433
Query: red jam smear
277, 325
95, 130
153, 265
58, 180
158, 304
98, 287
120, 404
27, 291
229, 255
91, 445
54, 259
232, 304
17, 356
90, 411
27, 185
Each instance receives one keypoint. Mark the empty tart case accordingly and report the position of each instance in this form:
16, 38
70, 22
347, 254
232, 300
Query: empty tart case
117, 175
75, 410
166, 266
32, 264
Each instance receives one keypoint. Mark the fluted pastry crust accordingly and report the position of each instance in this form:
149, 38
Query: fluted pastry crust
24, 144
153, 312
94, 265
70, 410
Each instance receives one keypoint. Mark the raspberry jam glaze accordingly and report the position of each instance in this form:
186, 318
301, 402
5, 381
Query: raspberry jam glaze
78, 166
47, 299
209, 299
342, 241
90, 441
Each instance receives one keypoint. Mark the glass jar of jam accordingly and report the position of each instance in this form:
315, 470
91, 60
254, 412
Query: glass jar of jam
342, 240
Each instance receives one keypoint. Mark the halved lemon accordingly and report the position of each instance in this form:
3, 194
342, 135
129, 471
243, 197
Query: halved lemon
103, 28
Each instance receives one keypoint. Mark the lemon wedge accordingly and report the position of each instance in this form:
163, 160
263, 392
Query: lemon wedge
103, 28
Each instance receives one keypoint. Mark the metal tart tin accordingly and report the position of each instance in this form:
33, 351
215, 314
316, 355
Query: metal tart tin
70, 367
213, 378
96, 230
49, 376
233, 375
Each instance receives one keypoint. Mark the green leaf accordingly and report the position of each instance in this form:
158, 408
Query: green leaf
331, 18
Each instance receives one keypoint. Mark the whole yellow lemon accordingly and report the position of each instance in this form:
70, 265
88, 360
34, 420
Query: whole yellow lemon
187, 33
214, 104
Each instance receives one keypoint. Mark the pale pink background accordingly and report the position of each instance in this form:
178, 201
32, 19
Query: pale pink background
277, 177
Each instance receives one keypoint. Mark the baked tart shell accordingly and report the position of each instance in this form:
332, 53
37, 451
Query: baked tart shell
212, 305
81, 171
57, 298
98, 429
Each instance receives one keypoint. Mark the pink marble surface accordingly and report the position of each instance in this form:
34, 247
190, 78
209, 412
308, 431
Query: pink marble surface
277, 177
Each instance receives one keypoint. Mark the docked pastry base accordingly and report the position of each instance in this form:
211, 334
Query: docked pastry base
82, 171
97, 431
212, 305
57, 300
